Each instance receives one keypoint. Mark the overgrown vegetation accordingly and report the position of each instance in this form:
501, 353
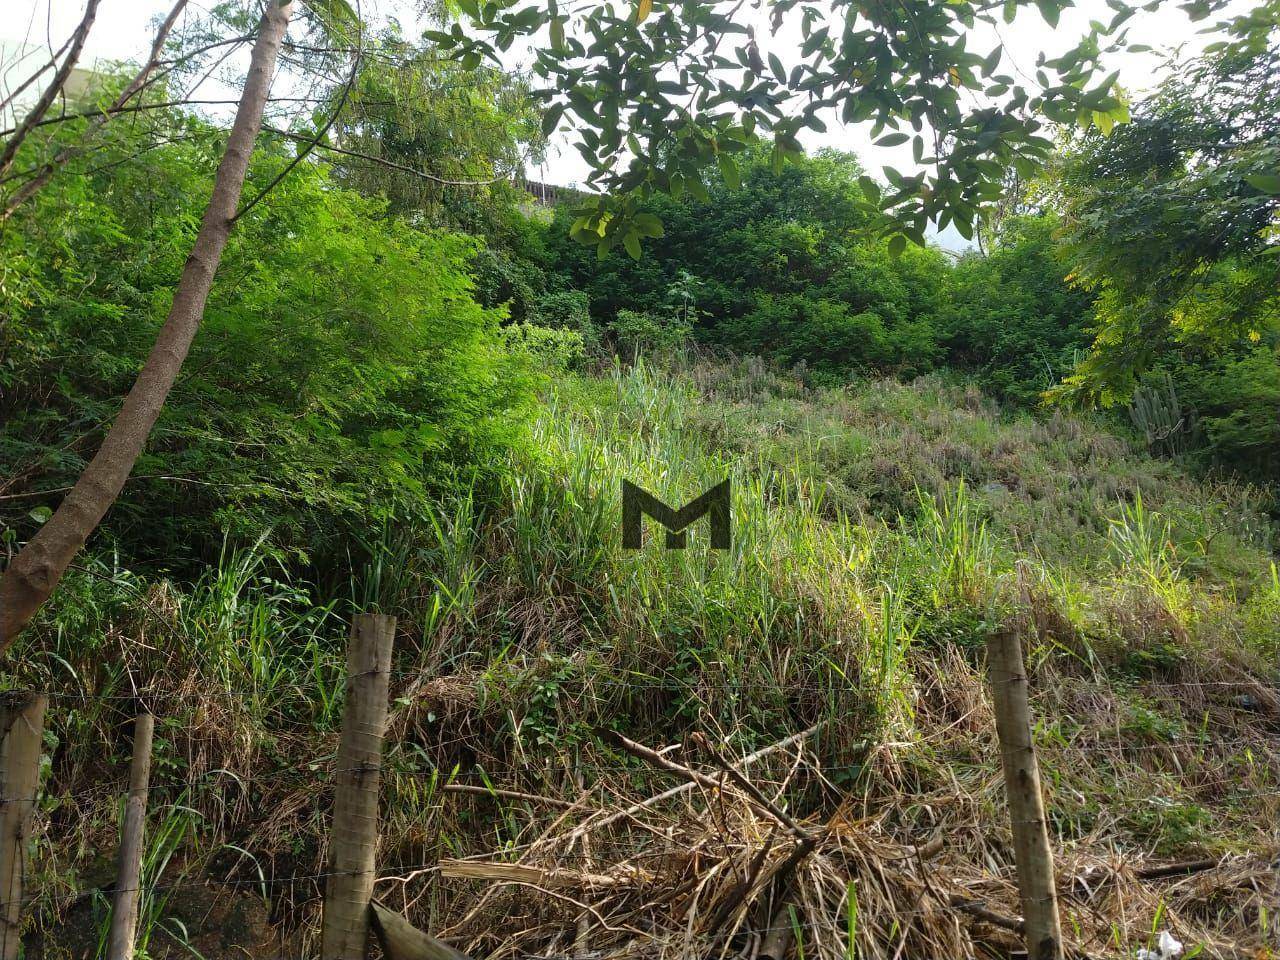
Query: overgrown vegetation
346, 374
414, 391
526, 631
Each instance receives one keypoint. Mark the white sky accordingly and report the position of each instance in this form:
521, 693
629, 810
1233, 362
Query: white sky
123, 31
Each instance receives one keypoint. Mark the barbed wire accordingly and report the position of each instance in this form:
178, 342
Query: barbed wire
644, 683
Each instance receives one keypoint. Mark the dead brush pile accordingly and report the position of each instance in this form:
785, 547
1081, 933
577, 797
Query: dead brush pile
718, 864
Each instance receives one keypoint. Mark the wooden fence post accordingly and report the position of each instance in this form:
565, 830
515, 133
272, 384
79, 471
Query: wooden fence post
353, 839
401, 940
124, 911
1031, 849
21, 733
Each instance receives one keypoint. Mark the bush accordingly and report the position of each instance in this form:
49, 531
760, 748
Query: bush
829, 337
1012, 317
554, 349
787, 240
1236, 397
636, 333
569, 310
504, 280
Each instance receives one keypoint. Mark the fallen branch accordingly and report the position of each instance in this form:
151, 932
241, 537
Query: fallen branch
539, 876
1176, 869
980, 911
805, 838
742, 892
508, 794
658, 760
1100, 874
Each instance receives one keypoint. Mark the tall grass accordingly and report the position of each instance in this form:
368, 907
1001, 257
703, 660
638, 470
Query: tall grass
875, 534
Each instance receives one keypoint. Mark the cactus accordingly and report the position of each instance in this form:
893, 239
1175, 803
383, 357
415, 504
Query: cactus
1157, 413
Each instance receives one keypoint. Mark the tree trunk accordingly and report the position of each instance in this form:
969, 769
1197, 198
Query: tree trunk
38, 567
21, 726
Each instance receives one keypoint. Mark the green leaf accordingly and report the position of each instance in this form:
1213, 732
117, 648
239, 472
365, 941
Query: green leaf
778, 70
1266, 182
729, 170
632, 242
990, 64
648, 225
892, 140
897, 244
551, 119
337, 18
1050, 11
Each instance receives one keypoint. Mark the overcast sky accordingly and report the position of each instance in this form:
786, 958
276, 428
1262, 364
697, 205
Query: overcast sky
124, 31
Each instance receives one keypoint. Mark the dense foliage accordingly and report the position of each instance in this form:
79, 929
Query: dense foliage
354, 360
344, 371
785, 267
661, 95
1172, 220
413, 390
1011, 315
440, 142
877, 528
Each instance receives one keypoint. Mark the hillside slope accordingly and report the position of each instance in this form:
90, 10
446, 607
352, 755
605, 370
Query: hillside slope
878, 532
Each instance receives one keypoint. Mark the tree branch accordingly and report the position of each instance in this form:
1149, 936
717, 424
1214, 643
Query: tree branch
52, 62
33, 186
32, 119
389, 164
310, 145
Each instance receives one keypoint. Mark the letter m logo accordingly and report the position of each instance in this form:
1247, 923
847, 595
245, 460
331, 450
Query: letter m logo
637, 502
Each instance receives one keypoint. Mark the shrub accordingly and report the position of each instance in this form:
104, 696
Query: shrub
787, 241
555, 349
570, 310
827, 335
636, 333
504, 280
1012, 317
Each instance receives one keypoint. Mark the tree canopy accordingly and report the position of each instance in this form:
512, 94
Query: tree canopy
660, 92
1171, 219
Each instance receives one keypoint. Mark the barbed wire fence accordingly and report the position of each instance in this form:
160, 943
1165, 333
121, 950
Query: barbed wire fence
350, 875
